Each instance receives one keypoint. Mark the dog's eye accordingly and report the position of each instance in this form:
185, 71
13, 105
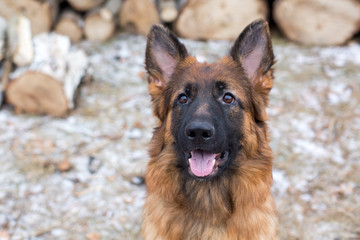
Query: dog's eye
228, 98
183, 98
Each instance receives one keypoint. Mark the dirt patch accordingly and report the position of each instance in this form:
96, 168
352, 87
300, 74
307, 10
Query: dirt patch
315, 125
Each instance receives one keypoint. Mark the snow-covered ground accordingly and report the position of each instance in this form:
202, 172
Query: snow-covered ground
314, 121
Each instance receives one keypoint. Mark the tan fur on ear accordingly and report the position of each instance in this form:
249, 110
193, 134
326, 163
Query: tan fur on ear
262, 88
260, 109
155, 87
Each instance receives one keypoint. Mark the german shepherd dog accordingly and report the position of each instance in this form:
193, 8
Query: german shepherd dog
210, 171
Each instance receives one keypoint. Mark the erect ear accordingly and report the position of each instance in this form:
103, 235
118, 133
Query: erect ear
253, 51
163, 53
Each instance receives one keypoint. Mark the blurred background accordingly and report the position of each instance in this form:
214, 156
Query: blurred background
76, 119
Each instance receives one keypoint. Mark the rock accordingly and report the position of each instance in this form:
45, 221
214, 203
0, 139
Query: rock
4, 235
93, 236
137, 180
64, 166
94, 164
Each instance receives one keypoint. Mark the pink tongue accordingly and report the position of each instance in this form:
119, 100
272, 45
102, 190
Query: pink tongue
201, 163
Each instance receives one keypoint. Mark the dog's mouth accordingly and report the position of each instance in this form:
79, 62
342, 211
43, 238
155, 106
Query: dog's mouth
204, 164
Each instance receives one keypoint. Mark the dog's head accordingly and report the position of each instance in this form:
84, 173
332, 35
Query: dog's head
216, 111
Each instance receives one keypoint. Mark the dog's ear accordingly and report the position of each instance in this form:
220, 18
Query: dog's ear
163, 52
253, 51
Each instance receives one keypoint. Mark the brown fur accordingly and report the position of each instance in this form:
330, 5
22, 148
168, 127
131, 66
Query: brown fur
238, 205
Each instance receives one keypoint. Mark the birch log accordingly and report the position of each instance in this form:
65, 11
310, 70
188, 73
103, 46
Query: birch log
137, 16
20, 41
168, 10
6, 66
70, 24
214, 19
3, 30
5, 71
48, 85
100, 23
319, 22
85, 5
41, 13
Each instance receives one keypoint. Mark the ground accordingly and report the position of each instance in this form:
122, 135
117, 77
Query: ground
77, 177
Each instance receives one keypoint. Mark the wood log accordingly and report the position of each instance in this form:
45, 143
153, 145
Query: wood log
70, 24
3, 30
137, 16
85, 5
319, 22
42, 13
20, 41
48, 85
168, 10
6, 69
213, 19
100, 23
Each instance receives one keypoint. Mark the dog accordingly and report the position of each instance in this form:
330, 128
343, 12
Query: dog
210, 171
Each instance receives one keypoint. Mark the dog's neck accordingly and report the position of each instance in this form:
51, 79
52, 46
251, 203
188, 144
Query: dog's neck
237, 194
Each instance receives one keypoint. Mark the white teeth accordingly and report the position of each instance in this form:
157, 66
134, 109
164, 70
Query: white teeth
214, 162
189, 160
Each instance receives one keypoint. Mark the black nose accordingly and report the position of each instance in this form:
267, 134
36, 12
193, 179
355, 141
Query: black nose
199, 131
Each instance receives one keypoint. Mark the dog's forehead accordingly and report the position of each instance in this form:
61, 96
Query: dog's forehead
207, 75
